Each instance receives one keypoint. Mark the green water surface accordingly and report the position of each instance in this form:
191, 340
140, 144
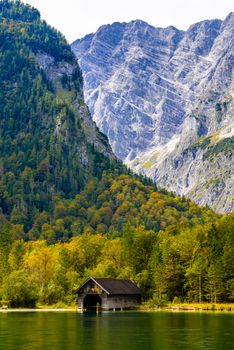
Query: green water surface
116, 331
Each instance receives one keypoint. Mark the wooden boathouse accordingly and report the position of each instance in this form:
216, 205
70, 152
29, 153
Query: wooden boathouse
107, 294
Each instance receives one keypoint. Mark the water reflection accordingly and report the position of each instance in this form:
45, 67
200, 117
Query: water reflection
116, 331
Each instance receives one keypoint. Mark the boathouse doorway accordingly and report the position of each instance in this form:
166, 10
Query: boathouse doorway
91, 301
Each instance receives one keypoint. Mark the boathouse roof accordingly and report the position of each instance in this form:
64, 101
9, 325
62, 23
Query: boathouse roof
113, 286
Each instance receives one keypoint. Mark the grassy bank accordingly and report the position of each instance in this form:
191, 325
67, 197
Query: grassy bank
42, 307
59, 305
202, 306
189, 306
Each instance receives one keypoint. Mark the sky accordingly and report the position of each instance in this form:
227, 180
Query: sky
76, 18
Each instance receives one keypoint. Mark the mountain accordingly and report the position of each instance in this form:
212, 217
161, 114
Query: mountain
49, 144
68, 208
56, 167
164, 98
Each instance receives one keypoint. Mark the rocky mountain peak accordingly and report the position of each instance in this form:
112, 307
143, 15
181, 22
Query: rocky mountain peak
157, 91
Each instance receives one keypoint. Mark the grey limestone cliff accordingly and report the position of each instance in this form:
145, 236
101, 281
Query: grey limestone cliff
164, 98
55, 72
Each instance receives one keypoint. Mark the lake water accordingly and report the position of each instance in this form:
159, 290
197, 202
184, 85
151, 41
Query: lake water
116, 331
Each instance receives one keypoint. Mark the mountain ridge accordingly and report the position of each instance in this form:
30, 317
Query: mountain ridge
160, 91
49, 144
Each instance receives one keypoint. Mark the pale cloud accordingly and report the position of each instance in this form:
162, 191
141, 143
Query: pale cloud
76, 18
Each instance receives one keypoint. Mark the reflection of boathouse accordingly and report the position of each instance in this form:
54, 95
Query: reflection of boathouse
107, 294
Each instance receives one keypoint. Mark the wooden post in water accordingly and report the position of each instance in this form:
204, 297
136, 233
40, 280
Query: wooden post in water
98, 309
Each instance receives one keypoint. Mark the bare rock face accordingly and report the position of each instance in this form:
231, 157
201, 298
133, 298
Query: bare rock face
55, 71
164, 98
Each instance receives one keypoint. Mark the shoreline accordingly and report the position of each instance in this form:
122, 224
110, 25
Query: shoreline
180, 309
39, 310
193, 308
175, 308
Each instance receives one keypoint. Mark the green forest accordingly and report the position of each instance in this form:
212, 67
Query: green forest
70, 210
121, 228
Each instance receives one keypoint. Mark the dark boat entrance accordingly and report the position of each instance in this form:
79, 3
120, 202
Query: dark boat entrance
92, 303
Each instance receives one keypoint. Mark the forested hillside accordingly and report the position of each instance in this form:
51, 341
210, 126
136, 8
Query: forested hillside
69, 209
44, 146
189, 264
